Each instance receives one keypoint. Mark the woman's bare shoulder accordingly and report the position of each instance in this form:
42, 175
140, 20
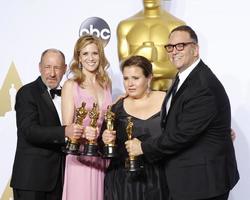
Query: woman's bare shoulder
69, 83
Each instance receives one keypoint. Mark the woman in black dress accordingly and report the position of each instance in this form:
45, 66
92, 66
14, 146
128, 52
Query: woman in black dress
143, 105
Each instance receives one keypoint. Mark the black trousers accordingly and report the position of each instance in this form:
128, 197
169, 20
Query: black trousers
55, 194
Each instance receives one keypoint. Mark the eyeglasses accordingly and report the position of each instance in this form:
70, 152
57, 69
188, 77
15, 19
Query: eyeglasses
179, 46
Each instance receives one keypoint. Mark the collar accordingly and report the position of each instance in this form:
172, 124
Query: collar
183, 75
55, 92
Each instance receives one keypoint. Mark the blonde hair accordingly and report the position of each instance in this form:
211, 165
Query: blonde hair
75, 65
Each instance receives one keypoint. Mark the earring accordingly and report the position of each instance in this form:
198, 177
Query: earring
149, 85
80, 66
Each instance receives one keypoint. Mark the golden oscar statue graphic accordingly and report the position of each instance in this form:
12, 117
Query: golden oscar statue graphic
132, 163
90, 146
109, 149
145, 34
72, 146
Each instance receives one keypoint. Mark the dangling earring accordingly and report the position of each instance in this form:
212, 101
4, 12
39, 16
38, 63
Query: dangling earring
80, 66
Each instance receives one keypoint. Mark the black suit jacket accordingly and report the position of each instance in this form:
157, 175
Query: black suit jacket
38, 160
196, 142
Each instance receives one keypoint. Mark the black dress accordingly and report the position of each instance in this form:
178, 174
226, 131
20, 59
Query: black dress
149, 183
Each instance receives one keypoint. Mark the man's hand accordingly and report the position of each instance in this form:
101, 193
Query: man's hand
134, 147
74, 131
233, 134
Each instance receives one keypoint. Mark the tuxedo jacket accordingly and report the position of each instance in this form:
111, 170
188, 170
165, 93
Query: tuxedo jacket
38, 159
196, 141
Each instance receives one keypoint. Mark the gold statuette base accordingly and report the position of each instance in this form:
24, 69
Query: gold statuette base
133, 165
109, 151
72, 147
90, 149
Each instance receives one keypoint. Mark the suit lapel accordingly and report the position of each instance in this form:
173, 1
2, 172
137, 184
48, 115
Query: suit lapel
188, 81
164, 104
47, 98
179, 92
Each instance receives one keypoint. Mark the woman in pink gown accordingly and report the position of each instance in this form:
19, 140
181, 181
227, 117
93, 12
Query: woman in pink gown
84, 175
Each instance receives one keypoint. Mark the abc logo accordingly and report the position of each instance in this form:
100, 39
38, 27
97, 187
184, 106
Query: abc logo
96, 26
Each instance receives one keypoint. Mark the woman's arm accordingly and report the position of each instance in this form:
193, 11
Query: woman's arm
68, 108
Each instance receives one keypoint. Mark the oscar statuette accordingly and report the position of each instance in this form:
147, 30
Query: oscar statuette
109, 150
90, 146
72, 146
132, 163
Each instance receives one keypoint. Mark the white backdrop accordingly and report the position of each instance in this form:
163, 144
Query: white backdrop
29, 27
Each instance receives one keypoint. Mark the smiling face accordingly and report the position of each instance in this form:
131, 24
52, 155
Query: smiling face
135, 82
186, 57
52, 68
89, 58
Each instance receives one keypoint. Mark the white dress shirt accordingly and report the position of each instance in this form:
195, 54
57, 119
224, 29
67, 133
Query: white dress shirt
57, 103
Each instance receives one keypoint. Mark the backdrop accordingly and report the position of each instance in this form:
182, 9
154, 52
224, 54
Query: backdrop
29, 27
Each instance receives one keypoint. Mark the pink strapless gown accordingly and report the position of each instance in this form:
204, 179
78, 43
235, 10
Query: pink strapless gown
84, 176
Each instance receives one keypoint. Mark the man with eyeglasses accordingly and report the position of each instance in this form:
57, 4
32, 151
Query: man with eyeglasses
196, 139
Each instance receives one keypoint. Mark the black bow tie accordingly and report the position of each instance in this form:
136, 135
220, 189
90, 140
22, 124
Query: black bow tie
54, 92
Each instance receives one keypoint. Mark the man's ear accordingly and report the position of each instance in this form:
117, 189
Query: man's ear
65, 68
196, 50
40, 67
150, 77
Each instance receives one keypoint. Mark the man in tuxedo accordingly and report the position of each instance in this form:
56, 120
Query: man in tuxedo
38, 165
196, 135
